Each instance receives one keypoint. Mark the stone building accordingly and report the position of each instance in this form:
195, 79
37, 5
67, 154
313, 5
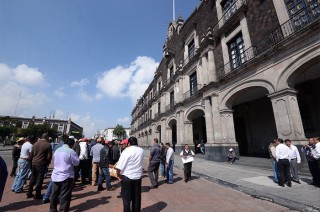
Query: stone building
236, 73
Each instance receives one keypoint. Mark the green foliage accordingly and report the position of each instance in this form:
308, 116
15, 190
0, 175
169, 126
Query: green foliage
119, 131
37, 130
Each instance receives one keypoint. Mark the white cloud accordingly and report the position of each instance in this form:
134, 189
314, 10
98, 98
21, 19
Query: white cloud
124, 120
59, 92
130, 81
84, 96
90, 124
80, 83
20, 93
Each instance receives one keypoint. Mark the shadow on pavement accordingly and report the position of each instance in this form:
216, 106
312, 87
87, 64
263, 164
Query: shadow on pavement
145, 189
82, 195
90, 204
20, 205
159, 206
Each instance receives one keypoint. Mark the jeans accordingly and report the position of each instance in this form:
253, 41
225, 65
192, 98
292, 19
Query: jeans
131, 192
275, 171
104, 174
163, 167
48, 191
170, 171
64, 189
23, 171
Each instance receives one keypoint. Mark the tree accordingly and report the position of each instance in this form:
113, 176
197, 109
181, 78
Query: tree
119, 131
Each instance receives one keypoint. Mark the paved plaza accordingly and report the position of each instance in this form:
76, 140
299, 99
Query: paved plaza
202, 193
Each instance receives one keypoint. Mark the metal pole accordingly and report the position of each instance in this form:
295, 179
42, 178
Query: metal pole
173, 10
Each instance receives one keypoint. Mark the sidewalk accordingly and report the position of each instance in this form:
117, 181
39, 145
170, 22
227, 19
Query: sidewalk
256, 182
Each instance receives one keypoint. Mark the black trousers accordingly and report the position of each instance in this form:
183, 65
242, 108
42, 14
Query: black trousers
84, 168
284, 171
131, 192
64, 189
14, 166
38, 172
187, 171
153, 172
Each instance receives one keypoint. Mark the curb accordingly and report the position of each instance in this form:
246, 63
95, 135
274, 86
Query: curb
259, 195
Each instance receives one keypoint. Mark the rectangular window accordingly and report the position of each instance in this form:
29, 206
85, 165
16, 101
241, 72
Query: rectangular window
193, 84
236, 51
159, 85
150, 114
159, 107
191, 49
171, 72
300, 13
229, 7
171, 99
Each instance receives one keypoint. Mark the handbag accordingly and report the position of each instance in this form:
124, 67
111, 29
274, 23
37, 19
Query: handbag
113, 171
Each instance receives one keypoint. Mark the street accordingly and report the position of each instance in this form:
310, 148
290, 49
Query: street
196, 195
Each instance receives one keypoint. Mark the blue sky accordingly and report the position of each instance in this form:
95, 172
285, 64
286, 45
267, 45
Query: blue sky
88, 60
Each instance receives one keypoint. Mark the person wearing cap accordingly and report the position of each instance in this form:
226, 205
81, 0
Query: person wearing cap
23, 165
104, 168
95, 153
231, 156
129, 171
15, 155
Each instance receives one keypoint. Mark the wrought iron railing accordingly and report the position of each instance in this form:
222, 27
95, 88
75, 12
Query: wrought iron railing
297, 22
237, 62
192, 91
190, 56
170, 106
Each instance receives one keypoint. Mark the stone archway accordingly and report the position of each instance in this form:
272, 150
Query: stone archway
172, 132
196, 127
253, 119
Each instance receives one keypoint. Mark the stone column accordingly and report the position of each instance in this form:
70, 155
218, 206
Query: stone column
180, 127
227, 124
217, 129
205, 70
208, 118
188, 139
287, 114
212, 72
163, 131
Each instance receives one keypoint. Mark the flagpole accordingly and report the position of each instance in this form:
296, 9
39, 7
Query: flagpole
173, 10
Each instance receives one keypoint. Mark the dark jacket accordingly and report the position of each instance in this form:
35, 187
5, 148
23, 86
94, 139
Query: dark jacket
155, 153
41, 153
76, 148
104, 157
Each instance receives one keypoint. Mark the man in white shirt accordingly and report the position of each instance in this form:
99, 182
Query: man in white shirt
84, 160
169, 162
129, 171
294, 158
282, 157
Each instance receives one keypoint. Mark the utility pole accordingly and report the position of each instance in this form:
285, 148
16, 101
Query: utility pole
15, 110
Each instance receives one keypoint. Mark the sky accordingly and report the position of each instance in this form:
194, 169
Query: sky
88, 60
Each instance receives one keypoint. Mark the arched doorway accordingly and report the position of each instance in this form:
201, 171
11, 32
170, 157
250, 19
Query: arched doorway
173, 132
199, 133
306, 80
158, 133
254, 121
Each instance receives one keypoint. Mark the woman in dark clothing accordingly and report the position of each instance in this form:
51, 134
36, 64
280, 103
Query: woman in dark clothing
16, 155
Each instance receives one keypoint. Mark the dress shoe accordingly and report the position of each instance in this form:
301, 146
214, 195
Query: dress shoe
100, 188
45, 201
289, 184
111, 189
281, 185
37, 197
29, 195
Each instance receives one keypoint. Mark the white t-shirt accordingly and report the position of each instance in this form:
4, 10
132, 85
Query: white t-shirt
131, 162
25, 150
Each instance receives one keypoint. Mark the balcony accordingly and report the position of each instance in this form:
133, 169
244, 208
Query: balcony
298, 22
170, 106
190, 57
192, 92
228, 15
237, 62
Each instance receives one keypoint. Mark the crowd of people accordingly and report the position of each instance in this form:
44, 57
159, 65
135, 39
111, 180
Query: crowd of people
285, 157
